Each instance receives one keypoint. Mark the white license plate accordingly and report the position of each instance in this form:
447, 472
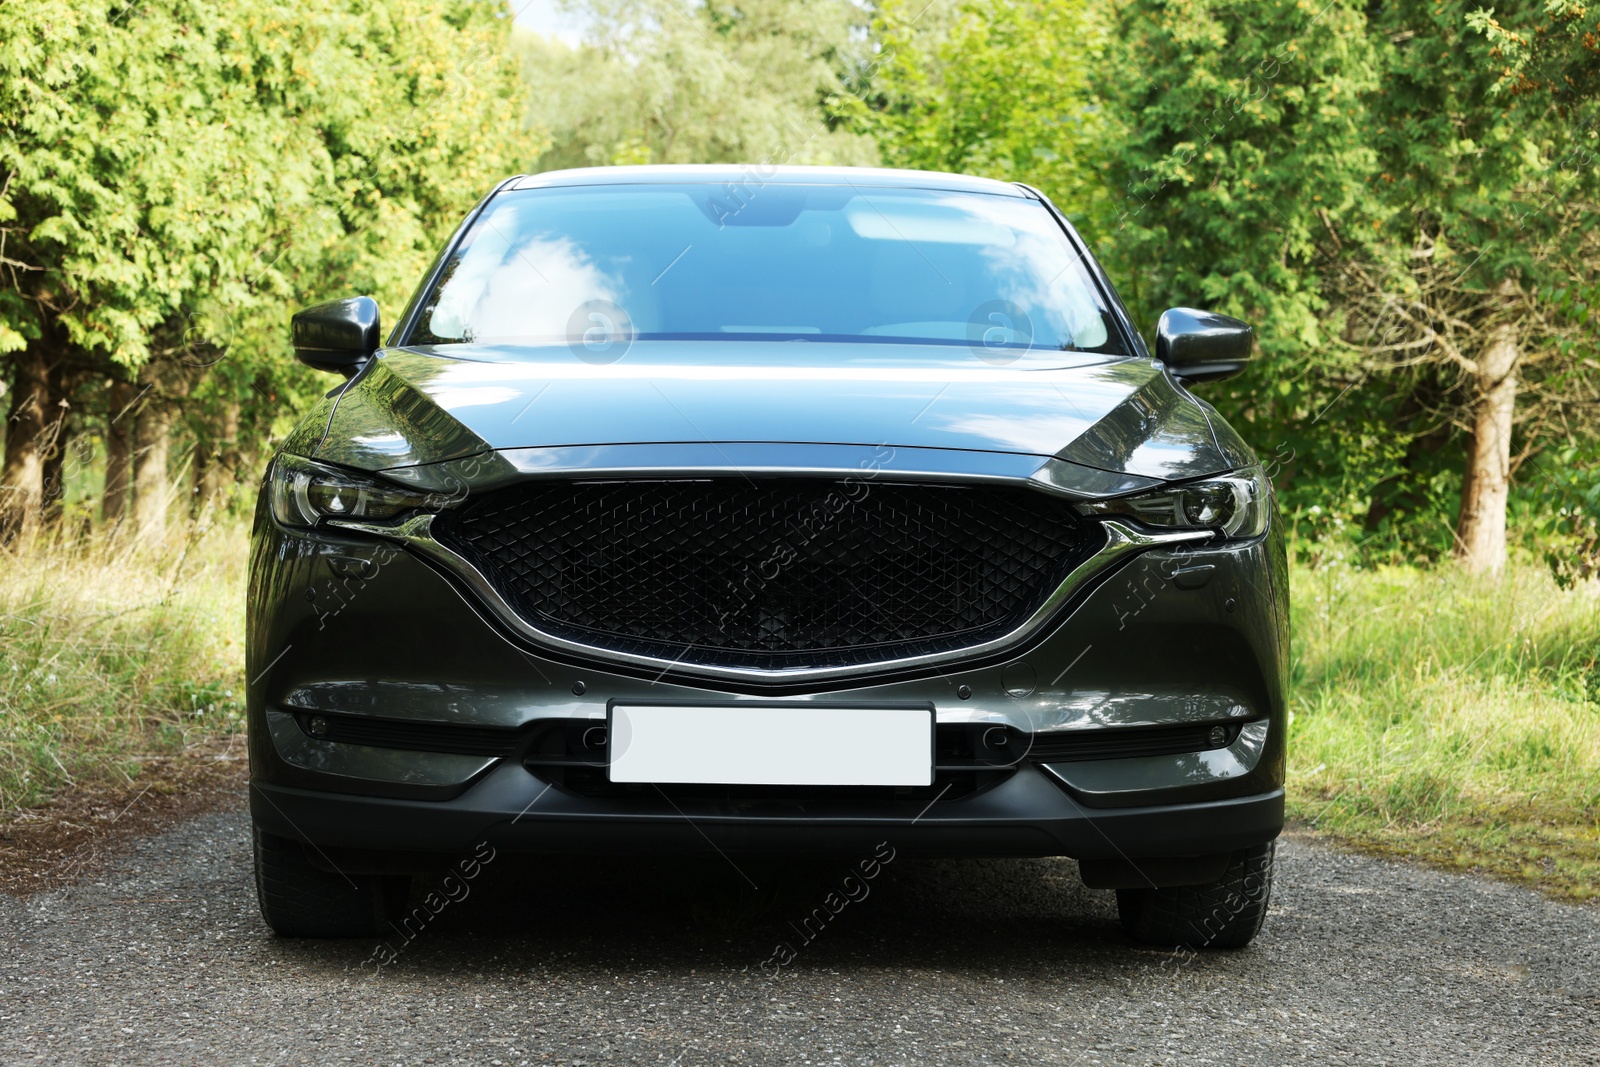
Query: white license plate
743, 744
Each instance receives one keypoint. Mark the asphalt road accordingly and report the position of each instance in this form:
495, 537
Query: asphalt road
162, 958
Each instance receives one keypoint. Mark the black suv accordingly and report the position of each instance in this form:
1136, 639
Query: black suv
767, 509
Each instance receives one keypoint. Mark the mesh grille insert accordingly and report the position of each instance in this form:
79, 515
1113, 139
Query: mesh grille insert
774, 573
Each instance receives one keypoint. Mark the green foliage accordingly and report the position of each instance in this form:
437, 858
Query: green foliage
1472, 158
1556, 54
1558, 511
660, 81
196, 160
180, 175
1358, 181
1238, 129
1001, 89
1238, 126
1482, 186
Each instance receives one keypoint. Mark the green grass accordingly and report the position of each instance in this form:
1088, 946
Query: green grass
1452, 719
107, 656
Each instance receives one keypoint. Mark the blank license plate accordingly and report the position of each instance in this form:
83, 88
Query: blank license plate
755, 745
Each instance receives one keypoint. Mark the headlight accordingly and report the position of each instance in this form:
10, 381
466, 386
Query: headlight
1235, 505
304, 493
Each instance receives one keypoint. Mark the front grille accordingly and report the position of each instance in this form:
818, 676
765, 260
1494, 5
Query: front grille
773, 573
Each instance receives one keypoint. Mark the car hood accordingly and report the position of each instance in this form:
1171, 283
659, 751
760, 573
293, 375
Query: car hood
413, 407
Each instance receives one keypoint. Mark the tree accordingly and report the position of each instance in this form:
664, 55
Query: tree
177, 175
1395, 193
1479, 278
1238, 126
1230, 129
661, 81
1001, 89
1556, 55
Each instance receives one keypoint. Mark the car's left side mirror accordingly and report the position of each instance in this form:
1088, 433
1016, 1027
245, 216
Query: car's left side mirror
1202, 346
340, 335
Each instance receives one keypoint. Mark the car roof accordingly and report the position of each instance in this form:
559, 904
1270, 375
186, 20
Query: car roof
756, 174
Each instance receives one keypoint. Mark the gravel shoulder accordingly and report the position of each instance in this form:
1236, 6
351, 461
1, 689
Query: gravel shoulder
161, 957
79, 830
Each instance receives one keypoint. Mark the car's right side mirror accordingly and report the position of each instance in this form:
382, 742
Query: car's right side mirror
340, 335
1202, 346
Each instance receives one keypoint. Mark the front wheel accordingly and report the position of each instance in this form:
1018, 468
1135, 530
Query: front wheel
1226, 913
299, 899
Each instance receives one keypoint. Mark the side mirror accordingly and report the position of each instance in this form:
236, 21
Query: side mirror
340, 335
1202, 346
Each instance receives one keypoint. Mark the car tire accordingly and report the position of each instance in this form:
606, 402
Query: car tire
1226, 913
299, 899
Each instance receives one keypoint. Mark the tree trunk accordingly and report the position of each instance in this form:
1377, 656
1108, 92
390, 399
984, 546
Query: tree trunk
204, 475
1486, 483
54, 474
22, 477
119, 452
57, 440
216, 460
152, 432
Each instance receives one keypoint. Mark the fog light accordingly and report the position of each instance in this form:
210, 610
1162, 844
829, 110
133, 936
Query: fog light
317, 726
1218, 736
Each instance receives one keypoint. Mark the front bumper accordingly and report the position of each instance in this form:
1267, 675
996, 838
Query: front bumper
1026, 815
346, 626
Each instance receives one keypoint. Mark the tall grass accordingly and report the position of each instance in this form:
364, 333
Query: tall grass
1451, 717
107, 654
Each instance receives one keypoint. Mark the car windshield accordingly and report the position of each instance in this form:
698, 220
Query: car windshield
768, 262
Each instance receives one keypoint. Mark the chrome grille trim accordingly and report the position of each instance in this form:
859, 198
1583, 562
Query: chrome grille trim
1121, 540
